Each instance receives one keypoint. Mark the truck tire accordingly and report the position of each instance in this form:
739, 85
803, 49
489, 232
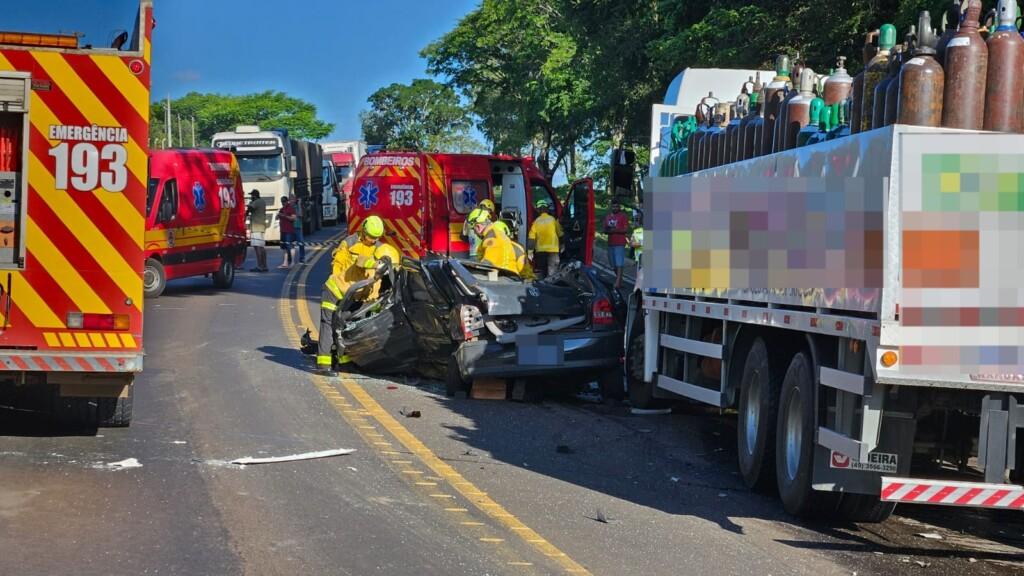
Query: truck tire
612, 385
795, 444
224, 277
92, 412
154, 279
453, 382
757, 420
865, 508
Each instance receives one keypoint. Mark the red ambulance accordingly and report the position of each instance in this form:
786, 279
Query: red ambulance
424, 199
195, 218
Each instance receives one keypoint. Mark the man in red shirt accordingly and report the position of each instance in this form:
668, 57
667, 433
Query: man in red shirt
616, 225
286, 219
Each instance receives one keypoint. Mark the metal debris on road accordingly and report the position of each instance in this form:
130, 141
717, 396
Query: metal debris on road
650, 412
409, 413
120, 465
294, 457
929, 535
674, 479
922, 564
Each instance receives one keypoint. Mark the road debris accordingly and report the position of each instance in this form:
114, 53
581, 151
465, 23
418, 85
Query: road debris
120, 465
650, 412
178, 442
922, 564
294, 457
722, 495
409, 413
392, 387
929, 535
674, 478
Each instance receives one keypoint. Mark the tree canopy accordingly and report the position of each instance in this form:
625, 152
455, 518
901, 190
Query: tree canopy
423, 115
220, 112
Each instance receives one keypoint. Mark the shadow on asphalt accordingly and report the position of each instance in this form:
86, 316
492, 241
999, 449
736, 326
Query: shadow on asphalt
685, 464
37, 422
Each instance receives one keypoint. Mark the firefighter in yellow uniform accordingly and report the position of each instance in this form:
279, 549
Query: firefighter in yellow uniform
545, 235
486, 206
498, 250
353, 262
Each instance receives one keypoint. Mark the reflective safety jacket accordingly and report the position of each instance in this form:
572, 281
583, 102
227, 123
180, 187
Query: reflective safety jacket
545, 233
354, 262
498, 250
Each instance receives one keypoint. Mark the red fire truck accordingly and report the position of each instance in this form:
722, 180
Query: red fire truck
424, 199
74, 135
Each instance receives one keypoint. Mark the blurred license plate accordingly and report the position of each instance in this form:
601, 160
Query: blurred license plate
539, 350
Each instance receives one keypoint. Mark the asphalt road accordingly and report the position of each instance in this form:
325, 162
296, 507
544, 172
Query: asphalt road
469, 487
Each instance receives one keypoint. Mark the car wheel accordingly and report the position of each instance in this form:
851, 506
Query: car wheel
224, 277
453, 382
794, 448
758, 411
154, 279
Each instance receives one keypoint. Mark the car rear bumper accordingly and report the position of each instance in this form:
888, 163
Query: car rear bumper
580, 353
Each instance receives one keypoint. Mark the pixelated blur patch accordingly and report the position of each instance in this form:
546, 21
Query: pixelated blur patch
940, 259
973, 182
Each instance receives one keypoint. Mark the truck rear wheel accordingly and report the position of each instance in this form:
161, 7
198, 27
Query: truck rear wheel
758, 414
865, 508
154, 279
96, 412
224, 277
794, 449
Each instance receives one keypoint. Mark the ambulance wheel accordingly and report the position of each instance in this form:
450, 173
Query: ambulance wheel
154, 279
794, 448
865, 508
224, 277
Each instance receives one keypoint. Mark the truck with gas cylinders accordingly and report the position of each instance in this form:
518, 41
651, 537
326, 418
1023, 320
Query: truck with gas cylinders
857, 300
344, 155
278, 165
74, 138
424, 199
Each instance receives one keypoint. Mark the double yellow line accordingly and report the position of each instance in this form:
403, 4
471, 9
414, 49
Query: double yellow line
369, 408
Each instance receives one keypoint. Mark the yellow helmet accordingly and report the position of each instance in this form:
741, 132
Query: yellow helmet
500, 225
486, 204
373, 227
389, 251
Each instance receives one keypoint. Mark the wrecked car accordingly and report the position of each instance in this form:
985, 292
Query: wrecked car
461, 320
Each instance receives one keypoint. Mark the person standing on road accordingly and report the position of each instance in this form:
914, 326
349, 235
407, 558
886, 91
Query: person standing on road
545, 235
257, 212
286, 219
616, 225
300, 240
353, 261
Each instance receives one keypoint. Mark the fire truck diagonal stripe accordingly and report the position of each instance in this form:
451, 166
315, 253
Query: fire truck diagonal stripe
953, 493
121, 210
126, 277
89, 105
927, 494
57, 266
65, 363
33, 306
135, 91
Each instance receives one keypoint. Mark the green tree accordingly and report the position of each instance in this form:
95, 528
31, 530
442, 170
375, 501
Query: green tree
423, 115
220, 112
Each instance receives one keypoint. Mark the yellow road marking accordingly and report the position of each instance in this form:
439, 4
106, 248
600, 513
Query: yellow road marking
472, 523
492, 540
456, 509
427, 484
371, 408
520, 563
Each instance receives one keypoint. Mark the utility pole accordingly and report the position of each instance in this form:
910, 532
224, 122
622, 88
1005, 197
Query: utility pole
192, 121
180, 139
167, 120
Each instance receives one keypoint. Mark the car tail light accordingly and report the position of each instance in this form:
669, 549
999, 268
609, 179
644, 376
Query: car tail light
470, 322
603, 313
79, 321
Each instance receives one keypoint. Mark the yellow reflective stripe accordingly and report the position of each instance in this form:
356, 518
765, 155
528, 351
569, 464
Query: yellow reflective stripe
97, 340
112, 341
323, 360
128, 341
32, 304
333, 287
328, 306
82, 340
51, 340
57, 265
126, 82
67, 340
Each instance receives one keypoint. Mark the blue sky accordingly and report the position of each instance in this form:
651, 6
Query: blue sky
333, 53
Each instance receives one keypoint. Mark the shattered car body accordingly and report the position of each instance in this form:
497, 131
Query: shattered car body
461, 320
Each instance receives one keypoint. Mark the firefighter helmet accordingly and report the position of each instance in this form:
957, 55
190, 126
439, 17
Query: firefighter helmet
388, 251
486, 204
373, 227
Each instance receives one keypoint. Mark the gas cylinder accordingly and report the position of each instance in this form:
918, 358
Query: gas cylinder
780, 139
966, 67
715, 140
857, 88
758, 126
950, 27
774, 93
892, 89
703, 115
745, 145
874, 72
813, 126
839, 84
1004, 85
922, 80
732, 133
881, 90
798, 110
842, 125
